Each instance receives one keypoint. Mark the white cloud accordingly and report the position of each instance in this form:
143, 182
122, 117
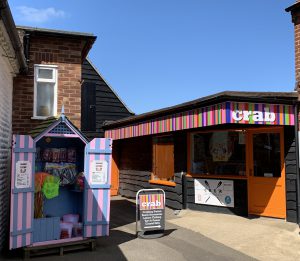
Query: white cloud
34, 15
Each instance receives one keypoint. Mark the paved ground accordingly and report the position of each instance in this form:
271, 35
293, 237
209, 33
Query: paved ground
192, 236
260, 238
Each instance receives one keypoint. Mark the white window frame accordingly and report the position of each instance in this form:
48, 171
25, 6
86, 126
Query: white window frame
36, 80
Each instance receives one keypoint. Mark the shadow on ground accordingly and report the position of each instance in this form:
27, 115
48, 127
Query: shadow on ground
122, 212
177, 244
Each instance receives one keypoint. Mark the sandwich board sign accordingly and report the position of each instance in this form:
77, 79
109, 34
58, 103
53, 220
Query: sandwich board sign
150, 212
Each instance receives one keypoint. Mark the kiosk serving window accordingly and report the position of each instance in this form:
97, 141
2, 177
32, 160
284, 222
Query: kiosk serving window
219, 153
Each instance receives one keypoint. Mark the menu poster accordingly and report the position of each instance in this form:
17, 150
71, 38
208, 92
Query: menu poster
99, 172
215, 192
23, 174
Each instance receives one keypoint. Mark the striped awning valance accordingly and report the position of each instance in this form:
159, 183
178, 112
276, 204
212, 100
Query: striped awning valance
222, 113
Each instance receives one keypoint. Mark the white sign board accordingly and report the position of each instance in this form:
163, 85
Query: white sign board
216, 192
99, 172
23, 174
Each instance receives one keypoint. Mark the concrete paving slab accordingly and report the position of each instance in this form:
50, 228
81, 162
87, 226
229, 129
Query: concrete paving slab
260, 238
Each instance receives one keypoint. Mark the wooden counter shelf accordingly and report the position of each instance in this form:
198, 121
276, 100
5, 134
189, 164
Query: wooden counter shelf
163, 182
216, 176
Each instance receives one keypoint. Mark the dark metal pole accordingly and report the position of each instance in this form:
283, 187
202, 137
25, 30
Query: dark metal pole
297, 162
184, 191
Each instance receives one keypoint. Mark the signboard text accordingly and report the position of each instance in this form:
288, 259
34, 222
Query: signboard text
254, 115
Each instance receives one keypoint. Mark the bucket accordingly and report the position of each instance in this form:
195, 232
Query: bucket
66, 230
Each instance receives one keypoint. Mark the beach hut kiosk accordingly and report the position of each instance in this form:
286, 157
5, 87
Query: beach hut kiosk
60, 186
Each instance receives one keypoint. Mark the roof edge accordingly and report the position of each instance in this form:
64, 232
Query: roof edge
293, 7
55, 32
10, 26
56, 121
89, 38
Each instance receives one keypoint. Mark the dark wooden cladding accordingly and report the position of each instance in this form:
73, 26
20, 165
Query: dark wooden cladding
136, 154
99, 102
131, 181
136, 167
291, 173
180, 151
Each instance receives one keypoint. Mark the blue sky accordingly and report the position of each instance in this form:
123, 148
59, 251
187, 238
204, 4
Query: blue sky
158, 53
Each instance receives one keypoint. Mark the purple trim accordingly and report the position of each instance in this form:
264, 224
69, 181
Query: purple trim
95, 222
63, 135
75, 131
22, 190
52, 126
105, 151
21, 232
76, 134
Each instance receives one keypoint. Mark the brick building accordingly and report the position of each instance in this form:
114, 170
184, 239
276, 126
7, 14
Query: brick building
12, 62
60, 74
53, 79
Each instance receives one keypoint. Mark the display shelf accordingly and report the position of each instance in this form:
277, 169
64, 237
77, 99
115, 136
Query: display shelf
210, 176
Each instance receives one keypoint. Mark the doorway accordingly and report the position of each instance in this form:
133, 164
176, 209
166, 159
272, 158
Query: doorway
266, 173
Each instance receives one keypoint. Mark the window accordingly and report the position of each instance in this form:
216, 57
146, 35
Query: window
163, 161
266, 155
45, 91
219, 153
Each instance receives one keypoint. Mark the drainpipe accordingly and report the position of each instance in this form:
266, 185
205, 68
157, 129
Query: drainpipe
297, 162
26, 47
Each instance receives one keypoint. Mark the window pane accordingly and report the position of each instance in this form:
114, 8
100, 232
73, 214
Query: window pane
45, 99
266, 155
219, 153
45, 73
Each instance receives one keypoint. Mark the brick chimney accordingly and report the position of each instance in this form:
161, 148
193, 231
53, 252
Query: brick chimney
295, 12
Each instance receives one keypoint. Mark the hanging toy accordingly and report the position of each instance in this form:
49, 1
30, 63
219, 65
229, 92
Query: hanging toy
51, 187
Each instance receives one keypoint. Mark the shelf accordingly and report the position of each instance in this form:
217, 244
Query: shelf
216, 176
163, 182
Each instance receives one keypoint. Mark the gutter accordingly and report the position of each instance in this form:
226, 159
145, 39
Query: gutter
10, 26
